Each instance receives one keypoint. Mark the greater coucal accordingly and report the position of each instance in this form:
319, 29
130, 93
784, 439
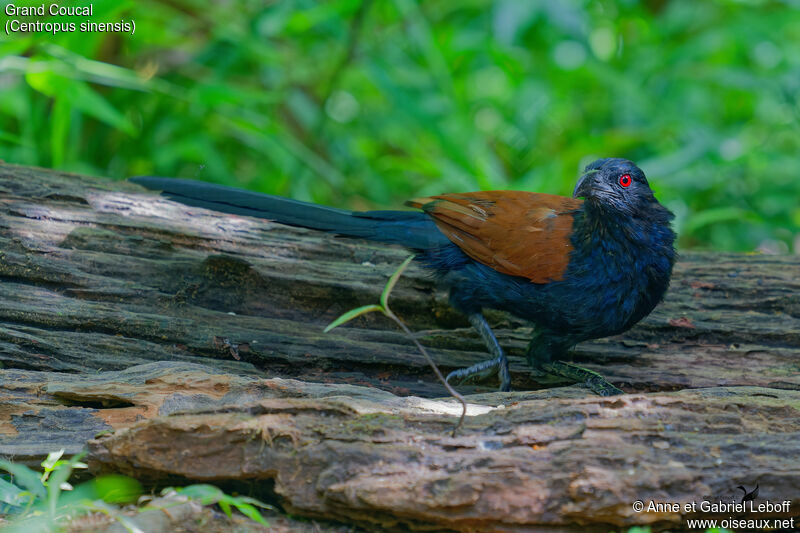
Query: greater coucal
578, 269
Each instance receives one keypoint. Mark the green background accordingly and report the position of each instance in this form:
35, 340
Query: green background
366, 104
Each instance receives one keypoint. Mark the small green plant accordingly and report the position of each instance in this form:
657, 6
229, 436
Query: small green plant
44, 501
211, 495
31, 489
383, 307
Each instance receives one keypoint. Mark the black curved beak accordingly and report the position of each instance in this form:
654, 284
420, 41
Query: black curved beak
584, 185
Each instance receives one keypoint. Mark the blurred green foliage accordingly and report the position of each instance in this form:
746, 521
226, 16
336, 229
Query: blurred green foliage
367, 103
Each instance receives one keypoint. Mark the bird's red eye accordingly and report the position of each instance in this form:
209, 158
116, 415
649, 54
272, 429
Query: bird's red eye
625, 180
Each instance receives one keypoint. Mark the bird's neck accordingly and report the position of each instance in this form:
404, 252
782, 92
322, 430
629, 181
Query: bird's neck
645, 229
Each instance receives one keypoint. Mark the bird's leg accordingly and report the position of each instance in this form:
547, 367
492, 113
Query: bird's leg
485, 369
545, 345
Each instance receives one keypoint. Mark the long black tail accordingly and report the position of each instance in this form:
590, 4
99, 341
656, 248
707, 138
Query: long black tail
409, 228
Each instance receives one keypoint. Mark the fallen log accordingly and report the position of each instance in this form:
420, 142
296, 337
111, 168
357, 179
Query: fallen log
103, 282
550, 462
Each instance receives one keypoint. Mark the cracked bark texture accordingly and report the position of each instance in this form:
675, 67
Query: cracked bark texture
196, 339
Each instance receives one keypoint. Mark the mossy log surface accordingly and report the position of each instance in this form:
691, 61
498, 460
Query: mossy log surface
196, 339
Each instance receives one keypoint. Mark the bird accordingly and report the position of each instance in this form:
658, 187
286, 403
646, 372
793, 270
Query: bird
578, 268
748, 496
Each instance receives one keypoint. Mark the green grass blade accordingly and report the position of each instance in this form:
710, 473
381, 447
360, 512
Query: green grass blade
249, 511
225, 506
351, 314
127, 523
393, 281
253, 501
60, 475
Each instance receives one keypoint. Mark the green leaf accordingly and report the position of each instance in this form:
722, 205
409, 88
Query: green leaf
351, 314
210, 495
25, 477
94, 105
9, 138
79, 95
715, 216
249, 511
77, 66
10, 493
45, 81
78, 496
203, 493
253, 501
225, 506
60, 475
393, 281
116, 488
52, 458
59, 130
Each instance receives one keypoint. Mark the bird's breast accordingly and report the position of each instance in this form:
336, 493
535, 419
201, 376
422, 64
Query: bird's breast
618, 273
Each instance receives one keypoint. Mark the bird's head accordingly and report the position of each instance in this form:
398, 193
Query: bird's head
616, 184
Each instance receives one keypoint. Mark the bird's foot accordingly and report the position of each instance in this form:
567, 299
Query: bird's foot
483, 371
591, 379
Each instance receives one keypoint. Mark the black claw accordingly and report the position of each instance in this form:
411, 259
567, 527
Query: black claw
609, 391
591, 379
498, 364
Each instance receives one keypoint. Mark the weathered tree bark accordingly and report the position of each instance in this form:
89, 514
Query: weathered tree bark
197, 337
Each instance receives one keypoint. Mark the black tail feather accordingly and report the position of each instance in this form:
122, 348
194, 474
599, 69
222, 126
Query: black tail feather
409, 228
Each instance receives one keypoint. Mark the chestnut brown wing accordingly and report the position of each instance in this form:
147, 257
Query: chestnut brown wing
518, 233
